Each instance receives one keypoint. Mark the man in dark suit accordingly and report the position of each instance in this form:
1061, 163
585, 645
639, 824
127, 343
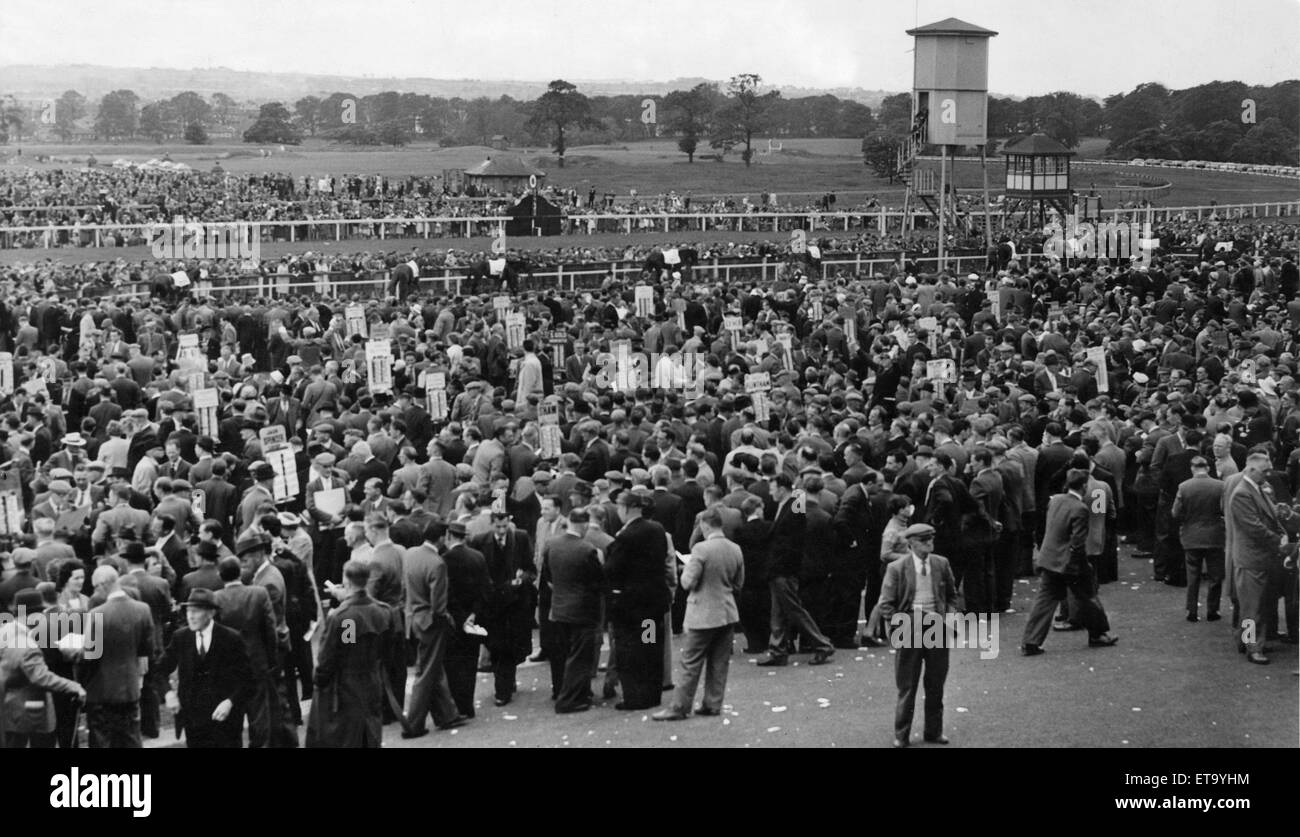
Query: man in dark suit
508, 613
595, 453
1063, 565
247, 609
214, 673
347, 710
1198, 510
220, 498
571, 571
905, 595
1053, 455
155, 592
983, 532
945, 502
467, 588
789, 530
283, 409
113, 677
206, 576
636, 569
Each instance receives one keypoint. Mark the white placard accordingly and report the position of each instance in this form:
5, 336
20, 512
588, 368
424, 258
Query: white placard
285, 486
6, 373
549, 437
181, 279
205, 408
672, 256
1097, 354
645, 301
496, 266
501, 305
758, 382
379, 365
354, 317
515, 329
941, 371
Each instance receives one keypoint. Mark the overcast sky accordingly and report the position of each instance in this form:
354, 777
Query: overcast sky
1087, 46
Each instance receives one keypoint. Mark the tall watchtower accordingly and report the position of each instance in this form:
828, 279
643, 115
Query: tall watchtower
950, 102
950, 81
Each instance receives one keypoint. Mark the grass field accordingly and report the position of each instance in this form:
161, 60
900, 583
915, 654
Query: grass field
803, 167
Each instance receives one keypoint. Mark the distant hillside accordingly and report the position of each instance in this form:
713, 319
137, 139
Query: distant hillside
27, 80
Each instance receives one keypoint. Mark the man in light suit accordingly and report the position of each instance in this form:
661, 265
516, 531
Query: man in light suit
1198, 509
1063, 565
713, 577
905, 596
430, 624
1256, 544
114, 678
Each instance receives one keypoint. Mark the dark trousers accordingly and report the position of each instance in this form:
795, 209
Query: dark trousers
1207, 563
65, 719
211, 735
815, 594
1169, 561
35, 740
1005, 556
679, 604
1281, 586
546, 637
1052, 588
430, 692
755, 617
908, 664
114, 726
150, 703
297, 668
640, 654
462, 670
504, 668
394, 672
978, 578
844, 595
1024, 563
788, 612
571, 665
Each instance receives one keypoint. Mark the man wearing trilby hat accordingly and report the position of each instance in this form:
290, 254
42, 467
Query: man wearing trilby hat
214, 676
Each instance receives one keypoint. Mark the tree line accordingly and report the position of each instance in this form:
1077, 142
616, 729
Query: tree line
1219, 121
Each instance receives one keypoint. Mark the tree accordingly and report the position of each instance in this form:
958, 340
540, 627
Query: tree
1125, 116
70, 107
11, 120
273, 125
118, 114
880, 153
195, 134
308, 110
224, 108
153, 121
895, 115
189, 108
393, 133
689, 113
1269, 143
743, 115
558, 108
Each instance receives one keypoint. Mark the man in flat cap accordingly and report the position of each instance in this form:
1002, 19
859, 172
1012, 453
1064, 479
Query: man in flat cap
918, 586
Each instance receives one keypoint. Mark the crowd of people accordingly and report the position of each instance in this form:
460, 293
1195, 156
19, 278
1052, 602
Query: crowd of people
264, 516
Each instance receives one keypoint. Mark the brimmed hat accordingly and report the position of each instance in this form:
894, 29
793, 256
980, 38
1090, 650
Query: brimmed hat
200, 597
250, 542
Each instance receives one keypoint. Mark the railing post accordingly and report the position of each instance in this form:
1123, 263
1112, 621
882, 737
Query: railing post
292, 228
